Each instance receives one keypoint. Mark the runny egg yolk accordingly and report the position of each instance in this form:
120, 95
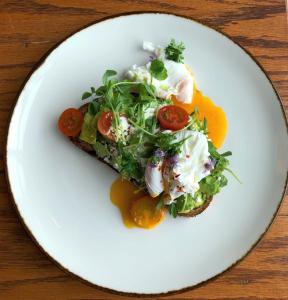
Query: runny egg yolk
137, 208
215, 116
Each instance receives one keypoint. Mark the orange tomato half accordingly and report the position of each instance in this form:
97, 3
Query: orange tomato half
70, 122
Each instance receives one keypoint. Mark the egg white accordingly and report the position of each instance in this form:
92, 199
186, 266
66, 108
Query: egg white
179, 81
185, 175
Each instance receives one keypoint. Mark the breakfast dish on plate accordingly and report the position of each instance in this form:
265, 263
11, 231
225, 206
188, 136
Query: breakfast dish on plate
77, 209
157, 130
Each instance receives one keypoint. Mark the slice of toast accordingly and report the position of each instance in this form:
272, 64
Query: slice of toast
84, 145
89, 149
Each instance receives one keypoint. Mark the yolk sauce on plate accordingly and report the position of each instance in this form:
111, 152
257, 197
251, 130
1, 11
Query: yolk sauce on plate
215, 116
139, 206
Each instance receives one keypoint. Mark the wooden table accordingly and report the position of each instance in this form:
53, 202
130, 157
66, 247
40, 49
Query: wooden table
28, 29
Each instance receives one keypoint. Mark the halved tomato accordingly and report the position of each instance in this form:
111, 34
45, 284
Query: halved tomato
70, 122
104, 125
172, 117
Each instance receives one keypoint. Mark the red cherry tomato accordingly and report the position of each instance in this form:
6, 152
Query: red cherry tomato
104, 125
172, 117
70, 122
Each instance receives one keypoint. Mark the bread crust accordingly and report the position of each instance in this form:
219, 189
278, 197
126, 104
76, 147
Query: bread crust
197, 211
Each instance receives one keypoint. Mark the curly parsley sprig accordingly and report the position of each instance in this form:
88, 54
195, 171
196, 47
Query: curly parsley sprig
175, 51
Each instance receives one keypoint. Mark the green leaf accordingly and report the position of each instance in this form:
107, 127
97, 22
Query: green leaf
86, 95
93, 108
234, 175
210, 185
205, 124
158, 70
150, 124
227, 153
129, 166
101, 91
181, 203
107, 75
124, 89
166, 142
150, 89
213, 151
93, 90
185, 203
172, 210
223, 180
175, 51
222, 164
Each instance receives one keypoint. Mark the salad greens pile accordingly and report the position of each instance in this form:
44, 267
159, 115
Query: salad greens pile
130, 153
132, 150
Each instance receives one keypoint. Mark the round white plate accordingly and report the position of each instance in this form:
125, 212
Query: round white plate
62, 194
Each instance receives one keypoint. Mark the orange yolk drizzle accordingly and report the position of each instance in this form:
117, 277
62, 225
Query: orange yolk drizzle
139, 209
215, 116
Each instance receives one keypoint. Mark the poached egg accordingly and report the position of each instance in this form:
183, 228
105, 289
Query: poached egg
153, 179
182, 175
179, 81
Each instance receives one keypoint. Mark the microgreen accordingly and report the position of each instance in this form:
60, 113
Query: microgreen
93, 108
173, 210
227, 153
233, 174
86, 95
142, 129
129, 166
107, 76
166, 142
158, 70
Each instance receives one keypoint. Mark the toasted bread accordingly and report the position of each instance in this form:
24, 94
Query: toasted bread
89, 149
198, 210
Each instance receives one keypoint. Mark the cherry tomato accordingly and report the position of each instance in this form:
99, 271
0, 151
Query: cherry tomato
70, 122
172, 117
104, 125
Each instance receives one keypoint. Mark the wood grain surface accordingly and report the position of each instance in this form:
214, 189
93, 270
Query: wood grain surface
28, 29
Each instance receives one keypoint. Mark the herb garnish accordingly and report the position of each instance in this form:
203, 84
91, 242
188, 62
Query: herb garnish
174, 51
166, 142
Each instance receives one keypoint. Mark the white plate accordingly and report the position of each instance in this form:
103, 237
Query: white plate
62, 194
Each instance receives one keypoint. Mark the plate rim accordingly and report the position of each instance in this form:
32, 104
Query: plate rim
41, 62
